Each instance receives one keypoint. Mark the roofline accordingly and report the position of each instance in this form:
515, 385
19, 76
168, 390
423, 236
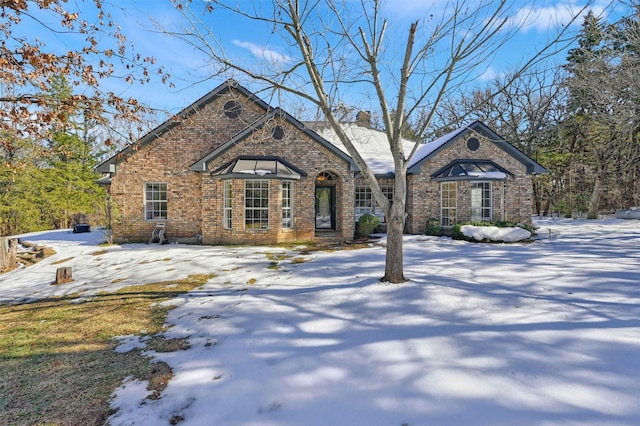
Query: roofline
469, 160
298, 170
110, 164
477, 126
202, 164
533, 167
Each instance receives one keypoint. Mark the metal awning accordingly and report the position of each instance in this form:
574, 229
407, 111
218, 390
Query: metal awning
257, 167
472, 169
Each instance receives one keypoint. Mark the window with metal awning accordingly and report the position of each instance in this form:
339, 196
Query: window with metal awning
258, 167
472, 170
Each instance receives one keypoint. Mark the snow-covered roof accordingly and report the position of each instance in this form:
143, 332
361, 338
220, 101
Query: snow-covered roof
372, 144
429, 148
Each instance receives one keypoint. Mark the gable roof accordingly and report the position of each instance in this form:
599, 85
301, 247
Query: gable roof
372, 144
250, 166
201, 165
109, 165
432, 148
466, 169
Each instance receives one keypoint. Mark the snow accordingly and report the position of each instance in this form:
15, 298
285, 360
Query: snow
493, 233
372, 145
538, 333
486, 175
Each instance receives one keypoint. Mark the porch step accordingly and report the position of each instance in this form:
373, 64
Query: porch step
329, 237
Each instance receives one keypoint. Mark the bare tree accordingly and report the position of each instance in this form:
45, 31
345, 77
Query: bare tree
30, 60
29, 114
526, 109
334, 48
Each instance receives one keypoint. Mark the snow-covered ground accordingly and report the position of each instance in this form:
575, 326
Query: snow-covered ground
538, 333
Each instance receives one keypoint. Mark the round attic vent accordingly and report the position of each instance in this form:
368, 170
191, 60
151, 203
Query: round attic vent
232, 109
473, 144
277, 133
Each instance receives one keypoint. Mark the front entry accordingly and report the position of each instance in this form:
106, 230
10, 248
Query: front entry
325, 207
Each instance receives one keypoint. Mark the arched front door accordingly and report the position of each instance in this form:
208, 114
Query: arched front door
325, 194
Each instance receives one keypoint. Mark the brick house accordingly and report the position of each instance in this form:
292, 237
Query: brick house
230, 169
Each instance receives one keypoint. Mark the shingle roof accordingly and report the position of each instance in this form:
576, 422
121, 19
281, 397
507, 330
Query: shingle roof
201, 165
108, 166
432, 148
372, 144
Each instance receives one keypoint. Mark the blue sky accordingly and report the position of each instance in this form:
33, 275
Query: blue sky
192, 74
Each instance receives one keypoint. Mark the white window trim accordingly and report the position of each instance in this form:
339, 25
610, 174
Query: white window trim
253, 208
367, 203
488, 207
156, 212
451, 218
227, 204
287, 223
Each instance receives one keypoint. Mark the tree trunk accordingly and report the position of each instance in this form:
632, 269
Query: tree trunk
8, 253
595, 199
394, 270
394, 262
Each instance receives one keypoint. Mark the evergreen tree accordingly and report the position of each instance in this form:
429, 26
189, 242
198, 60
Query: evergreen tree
41, 188
602, 109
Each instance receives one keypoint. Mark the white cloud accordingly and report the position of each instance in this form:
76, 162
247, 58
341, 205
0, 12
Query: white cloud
541, 19
262, 52
490, 74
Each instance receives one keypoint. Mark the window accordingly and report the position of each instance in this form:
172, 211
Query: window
232, 109
364, 202
256, 207
155, 201
287, 218
324, 177
481, 201
448, 203
227, 204
472, 169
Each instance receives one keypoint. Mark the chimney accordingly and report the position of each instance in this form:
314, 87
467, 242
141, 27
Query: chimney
363, 118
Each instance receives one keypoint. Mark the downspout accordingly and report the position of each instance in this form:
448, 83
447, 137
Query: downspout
504, 186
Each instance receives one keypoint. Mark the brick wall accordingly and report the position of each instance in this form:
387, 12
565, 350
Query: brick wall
511, 199
194, 207
301, 151
195, 198
167, 159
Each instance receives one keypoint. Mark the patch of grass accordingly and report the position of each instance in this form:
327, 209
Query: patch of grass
98, 252
162, 344
293, 244
252, 281
273, 266
57, 262
117, 280
298, 259
144, 262
57, 357
277, 257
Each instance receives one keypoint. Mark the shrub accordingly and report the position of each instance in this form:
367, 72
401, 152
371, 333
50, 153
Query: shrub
457, 234
366, 225
433, 227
